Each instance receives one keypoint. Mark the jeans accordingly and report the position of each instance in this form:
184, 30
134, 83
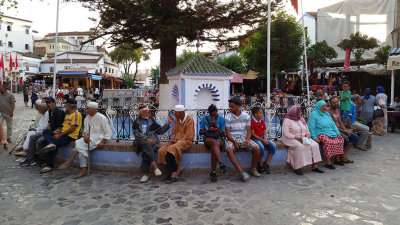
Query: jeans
271, 146
9, 121
344, 115
60, 142
33, 141
353, 138
147, 150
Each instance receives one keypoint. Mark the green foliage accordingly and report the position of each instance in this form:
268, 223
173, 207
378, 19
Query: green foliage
286, 46
320, 53
233, 62
128, 81
382, 55
154, 73
7, 4
183, 57
126, 55
358, 44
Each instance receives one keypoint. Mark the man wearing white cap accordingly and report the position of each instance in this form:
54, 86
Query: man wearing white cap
182, 136
97, 131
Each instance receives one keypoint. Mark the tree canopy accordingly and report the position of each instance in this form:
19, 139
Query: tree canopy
161, 23
286, 46
358, 44
233, 62
382, 55
320, 52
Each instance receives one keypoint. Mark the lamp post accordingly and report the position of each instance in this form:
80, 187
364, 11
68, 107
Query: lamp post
55, 52
269, 56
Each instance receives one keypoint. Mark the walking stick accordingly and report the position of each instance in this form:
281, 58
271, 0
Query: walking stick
88, 161
16, 145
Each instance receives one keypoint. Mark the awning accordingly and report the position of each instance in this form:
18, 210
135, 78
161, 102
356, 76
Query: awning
95, 77
250, 75
237, 78
75, 71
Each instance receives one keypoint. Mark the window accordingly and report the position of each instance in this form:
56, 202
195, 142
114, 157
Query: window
27, 47
105, 69
92, 43
101, 70
9, 27
1, 43
112, 71
51, 69
27, 31
40, 69
10, 44
27, 68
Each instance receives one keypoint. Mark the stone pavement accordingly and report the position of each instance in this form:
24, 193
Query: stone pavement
366, 192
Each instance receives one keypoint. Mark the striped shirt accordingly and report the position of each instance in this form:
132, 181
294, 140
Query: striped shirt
238, 124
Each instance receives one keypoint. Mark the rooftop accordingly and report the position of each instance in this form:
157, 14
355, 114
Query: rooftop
60, 40
199, 65
71, 33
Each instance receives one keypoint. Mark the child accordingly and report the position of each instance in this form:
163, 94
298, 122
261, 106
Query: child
259, 135
345, 97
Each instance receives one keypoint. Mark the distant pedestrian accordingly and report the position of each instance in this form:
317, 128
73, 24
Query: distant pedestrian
7, 107
379, 125
367, 107
26, 96
34, 96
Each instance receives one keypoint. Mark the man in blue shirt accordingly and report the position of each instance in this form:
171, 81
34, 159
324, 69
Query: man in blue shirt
212, 127
361, 129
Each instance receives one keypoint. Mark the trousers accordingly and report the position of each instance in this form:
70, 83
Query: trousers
9, 121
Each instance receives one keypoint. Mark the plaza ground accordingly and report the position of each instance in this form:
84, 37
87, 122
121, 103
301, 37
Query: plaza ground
366, 192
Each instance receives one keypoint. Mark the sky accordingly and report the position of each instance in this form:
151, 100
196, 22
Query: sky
74, 17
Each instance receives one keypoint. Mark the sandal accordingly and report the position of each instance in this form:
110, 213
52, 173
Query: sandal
46, 169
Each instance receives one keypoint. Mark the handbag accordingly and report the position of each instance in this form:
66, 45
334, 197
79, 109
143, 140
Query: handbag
212, 133
378, 113
382, 102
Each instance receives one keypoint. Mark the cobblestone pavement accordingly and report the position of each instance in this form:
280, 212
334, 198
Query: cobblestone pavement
366, 192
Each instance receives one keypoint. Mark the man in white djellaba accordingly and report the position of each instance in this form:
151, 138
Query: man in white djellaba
100, 133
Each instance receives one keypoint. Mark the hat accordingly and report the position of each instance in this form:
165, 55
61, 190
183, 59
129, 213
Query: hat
355, 97
71, 101
179, 108
38, 102
236, 100
93, 105
49, 99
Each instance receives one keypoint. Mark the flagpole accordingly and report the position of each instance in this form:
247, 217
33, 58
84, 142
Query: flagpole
55, 52
305, 53
268, 56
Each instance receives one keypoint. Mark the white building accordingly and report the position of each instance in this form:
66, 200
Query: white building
310, 25
76, 38
15, 35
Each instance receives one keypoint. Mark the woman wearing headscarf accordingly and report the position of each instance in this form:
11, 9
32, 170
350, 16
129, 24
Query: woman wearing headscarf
303, 151
323, 130
367, 107
379, 125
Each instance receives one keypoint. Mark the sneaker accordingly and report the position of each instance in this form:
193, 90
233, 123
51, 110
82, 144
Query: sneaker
245, 176
9, 140
19, 149
223, 168
48, 148
144, 179
27, 162
213, 177
267, 169
261, 169
157, 172
255, 173
20, 154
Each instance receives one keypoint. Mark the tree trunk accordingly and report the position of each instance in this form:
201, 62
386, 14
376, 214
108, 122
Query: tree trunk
136, 71
167, 57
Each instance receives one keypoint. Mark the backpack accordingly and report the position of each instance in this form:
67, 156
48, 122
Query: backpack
382, 102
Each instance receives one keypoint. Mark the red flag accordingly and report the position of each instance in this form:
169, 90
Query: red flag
295, 5
16, 62
10, 65
2, 62
347, 60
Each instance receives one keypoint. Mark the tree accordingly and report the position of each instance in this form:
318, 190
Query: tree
154, 73
127, 55
286, 46
128, 81
183, 57
320, 52
8, 4
382, 55
358, 44
233, 62
161, 23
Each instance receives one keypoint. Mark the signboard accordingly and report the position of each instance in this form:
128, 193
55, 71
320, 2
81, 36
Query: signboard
393, 63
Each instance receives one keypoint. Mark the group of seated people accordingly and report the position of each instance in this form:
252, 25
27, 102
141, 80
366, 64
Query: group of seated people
327, 128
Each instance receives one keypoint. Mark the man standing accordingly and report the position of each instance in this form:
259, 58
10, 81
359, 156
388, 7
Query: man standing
59, 138
361, 129
350, 138
146, 129
3, 141
182, 137
97, 132
56, 119
7, 107
80, 91
238, 132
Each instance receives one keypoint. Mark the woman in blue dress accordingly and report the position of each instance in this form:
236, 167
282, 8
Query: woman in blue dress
367, 107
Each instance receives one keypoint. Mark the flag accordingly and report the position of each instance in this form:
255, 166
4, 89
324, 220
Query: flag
347, 60
11, 64
16, 62
2, 62
295, 5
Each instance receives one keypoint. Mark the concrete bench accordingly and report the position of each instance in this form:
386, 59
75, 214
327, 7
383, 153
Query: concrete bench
119, 156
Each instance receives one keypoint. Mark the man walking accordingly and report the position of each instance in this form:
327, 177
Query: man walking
7, 107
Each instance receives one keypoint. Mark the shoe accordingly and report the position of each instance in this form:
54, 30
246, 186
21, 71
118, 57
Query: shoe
157, 172
340, 163
9, 140
261, 169
267, 169
317, 170
19, 149
255, 173
299, 172
20, 154
245, 176
330, 166
223, 168
27, 163
144, 179
213, 177
48, 148
171, 180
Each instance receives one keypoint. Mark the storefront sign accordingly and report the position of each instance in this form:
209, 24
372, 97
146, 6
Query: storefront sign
393, 63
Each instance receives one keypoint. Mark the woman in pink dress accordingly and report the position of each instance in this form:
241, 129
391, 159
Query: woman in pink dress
303, 151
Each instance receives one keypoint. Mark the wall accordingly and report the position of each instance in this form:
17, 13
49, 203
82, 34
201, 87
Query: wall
310, 24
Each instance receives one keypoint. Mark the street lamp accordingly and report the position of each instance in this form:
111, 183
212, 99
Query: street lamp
55, 51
